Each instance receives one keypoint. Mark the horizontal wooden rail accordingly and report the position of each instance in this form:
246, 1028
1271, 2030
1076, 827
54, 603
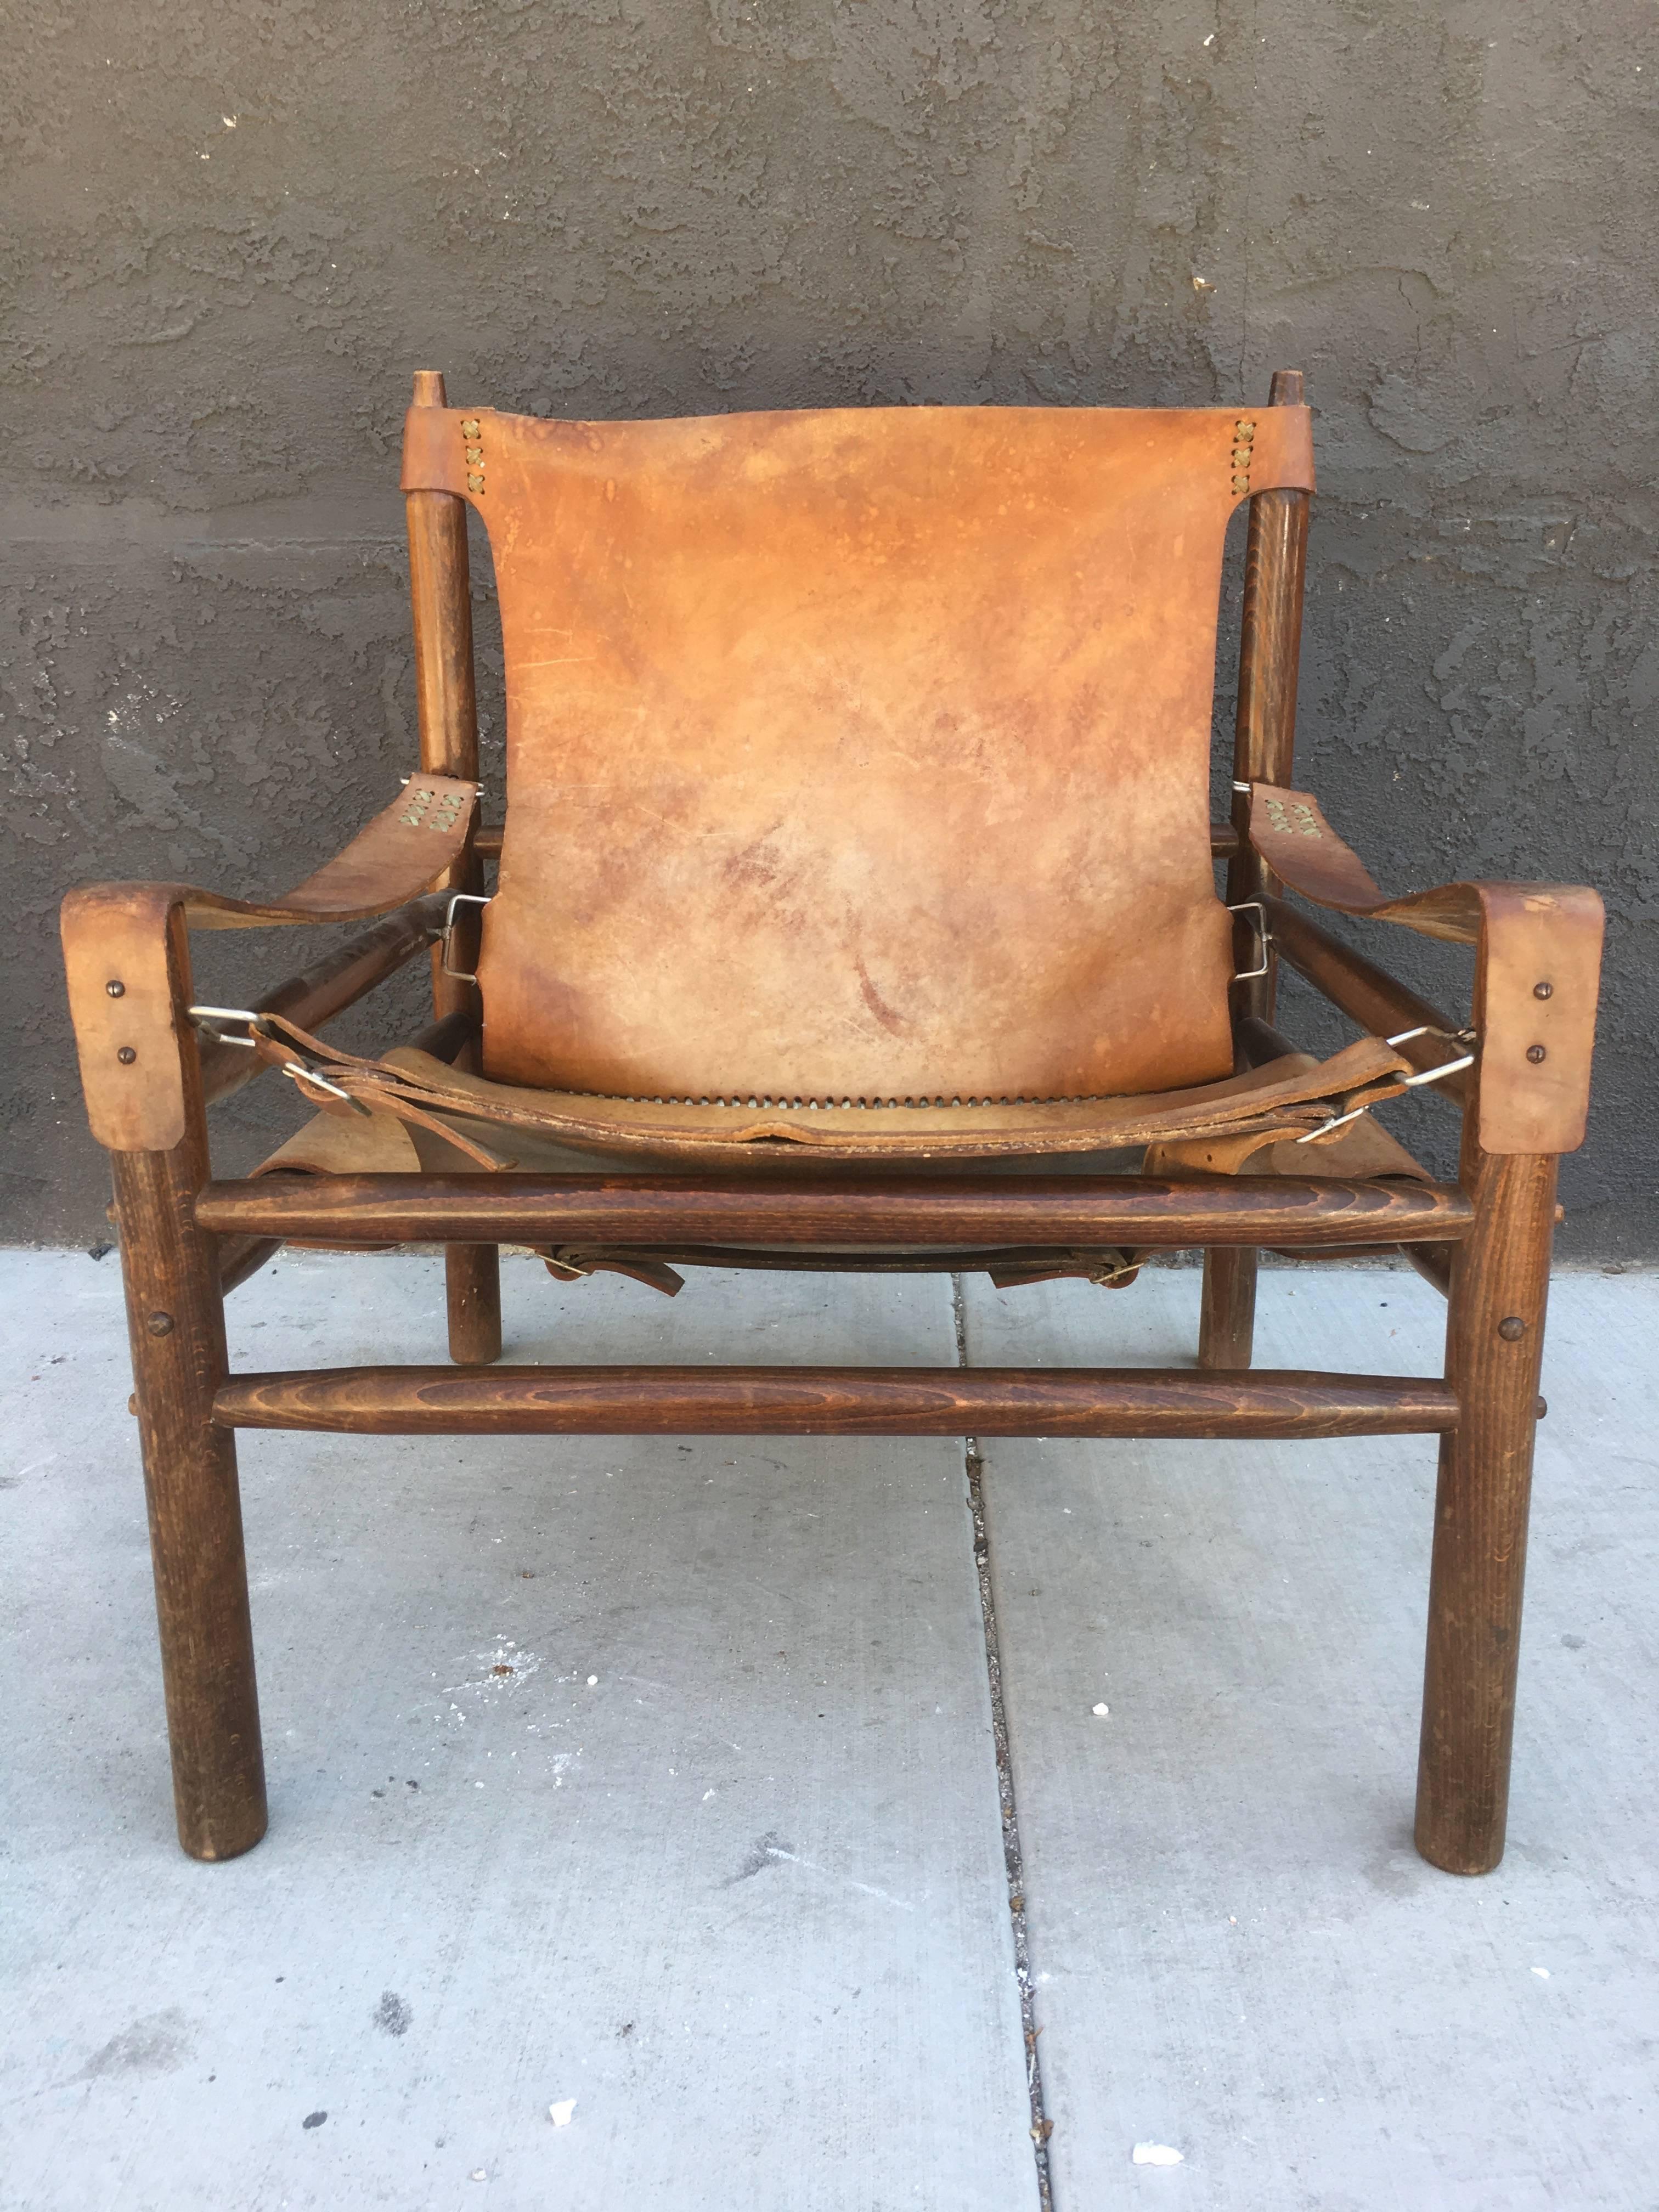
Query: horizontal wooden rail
327, 987
1366, 993
851, 1213
885, 1401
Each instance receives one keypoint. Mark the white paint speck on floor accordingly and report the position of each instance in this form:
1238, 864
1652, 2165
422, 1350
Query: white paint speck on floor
634, 1830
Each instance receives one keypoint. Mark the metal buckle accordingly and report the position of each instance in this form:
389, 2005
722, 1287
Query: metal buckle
1410, 1082
460, 898
1264, 938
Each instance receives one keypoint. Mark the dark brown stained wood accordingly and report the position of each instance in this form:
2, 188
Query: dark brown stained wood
1366, 993
473, 1283
327, 987
898, 1401
1269, 661
1433, 1262
175, 1322
242, 1256
864, 1210
1264, 742
444, 1038
1500, 1275
439, 583
1226, 1319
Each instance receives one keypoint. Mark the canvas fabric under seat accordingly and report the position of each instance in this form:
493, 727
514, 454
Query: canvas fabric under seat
859, 753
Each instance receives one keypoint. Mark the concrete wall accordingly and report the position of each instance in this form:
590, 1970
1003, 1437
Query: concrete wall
233, 229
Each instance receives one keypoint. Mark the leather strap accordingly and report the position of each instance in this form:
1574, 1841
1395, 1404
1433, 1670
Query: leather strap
1295, 1097
129, 970
1536, 983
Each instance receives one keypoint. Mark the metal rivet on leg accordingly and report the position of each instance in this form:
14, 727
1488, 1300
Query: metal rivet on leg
126, 1056
1543, 990
1543, 1407
159, 1324
1535, 1052
1511, 1329
116, 990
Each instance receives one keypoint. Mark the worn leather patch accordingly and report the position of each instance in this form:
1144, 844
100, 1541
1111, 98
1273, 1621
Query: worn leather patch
862, 753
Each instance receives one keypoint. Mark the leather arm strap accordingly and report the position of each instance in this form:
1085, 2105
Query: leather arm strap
129, 972
1537, 973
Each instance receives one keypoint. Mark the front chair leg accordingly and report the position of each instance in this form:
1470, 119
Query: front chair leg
1226, 1326
472, 1285
175, 1319
1494, 1348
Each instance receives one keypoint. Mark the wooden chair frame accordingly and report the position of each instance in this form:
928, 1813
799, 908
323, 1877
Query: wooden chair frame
186, 1240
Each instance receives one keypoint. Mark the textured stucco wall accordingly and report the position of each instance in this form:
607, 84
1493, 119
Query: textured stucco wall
233, 230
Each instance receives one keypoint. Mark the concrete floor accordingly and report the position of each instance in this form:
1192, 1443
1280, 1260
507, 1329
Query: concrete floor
720, 1857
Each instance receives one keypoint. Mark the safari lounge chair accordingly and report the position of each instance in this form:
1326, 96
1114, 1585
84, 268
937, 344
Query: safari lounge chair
856, 909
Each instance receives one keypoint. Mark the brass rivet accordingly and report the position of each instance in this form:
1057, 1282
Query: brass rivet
126, 1056
1543, 990
159, 1324
1511, 1329
1543, 1407
116, 990
1535, 1052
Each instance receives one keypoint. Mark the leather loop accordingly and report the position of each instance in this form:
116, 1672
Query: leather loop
1537, 979
131, 1042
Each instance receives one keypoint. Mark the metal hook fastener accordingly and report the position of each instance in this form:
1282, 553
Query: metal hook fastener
208, 1018
460, 898
1263, 934
300, 1074
1410, 1082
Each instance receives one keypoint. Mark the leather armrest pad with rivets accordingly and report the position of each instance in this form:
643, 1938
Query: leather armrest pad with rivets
1537, 981
128, 1038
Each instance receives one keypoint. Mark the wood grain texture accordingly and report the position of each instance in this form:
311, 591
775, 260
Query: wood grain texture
1501, 1274
1226, 1318
440, 582
175, 1318
1264, 737
849, 1212
914, 1402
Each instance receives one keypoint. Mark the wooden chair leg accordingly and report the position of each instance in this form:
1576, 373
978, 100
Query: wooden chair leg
1494, 1347
472, 1282
1227, 1327
175, 1319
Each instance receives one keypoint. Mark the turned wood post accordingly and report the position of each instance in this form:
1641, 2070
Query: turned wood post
441, 589
1264, 745
1494, 1350
176, 1322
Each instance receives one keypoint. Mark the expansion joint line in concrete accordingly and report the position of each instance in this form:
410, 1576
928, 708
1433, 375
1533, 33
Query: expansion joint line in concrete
1013, 1859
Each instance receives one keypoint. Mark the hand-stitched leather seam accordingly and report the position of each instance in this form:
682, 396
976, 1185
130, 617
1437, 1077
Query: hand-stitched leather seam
1239, 460
473, 453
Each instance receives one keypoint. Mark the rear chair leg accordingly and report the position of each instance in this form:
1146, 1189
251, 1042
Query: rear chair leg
175, 1319
1227, 1327
1494, 1347
472, 1282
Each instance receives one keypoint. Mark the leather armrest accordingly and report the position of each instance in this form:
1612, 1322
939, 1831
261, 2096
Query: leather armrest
1537, 977
128, 965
